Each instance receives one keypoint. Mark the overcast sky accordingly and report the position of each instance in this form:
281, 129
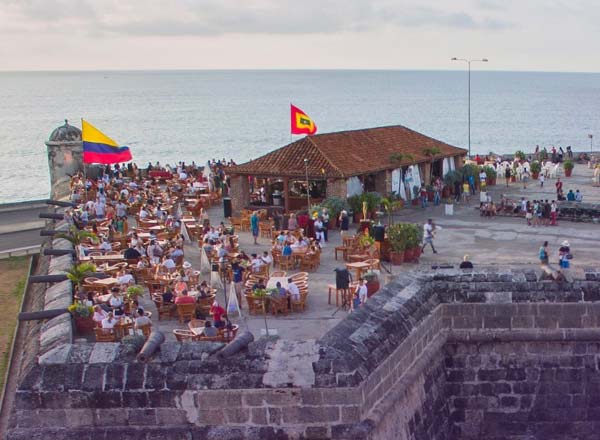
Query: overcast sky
549, 35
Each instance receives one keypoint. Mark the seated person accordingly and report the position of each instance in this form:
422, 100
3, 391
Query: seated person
293, 290
168, 263
141, 319
115, 301
217, 313
466, 264
99, 315
287, 250
203, 290
109, 322
180, 285
184, 298
209, 330
178, 252
260, 284
256, 263
126, 278
131, 254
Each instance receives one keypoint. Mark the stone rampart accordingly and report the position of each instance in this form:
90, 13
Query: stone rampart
402, 367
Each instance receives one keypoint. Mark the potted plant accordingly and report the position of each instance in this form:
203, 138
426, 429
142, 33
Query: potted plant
413, 244
373, 200
355, 203
82, 314
490, 172
416, 194
78, 236
450, 178
519, 155
372, 283
365, 240
449, 206
397, 238
334, 205
389, 206
568, 165
77, 275
536, 167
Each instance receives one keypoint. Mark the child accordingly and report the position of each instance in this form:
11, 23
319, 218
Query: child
355, 301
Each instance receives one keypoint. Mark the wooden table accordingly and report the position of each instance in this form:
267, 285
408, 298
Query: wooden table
358, 267
104, 258
106, 282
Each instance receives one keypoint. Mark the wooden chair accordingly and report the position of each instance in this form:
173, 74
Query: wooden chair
196, 323
266, 229
105, 335
278, 305
300, 304
255, 305
145, 329
228, 335
373, 264
183, 335
279, 273
300, 276
186, 312
286, 262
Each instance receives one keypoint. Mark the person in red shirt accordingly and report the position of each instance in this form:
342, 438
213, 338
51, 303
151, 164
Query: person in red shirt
184, 298
217, 313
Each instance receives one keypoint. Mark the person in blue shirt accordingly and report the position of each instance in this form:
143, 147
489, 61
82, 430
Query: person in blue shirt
472, 184
571, 196
287, 250
254, 226
238, 280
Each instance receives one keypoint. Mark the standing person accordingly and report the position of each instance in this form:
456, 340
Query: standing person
361, 291
456, 191
482, 180
553, 213
559, 187
543, 254
525, 178
254, 225
423, 192
238, 280
507, 175
564, 254
542, 179
472, 184
344, 222
466, 192
325, 217
428, 235
437, 191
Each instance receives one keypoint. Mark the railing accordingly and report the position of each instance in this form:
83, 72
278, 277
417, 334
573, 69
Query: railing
20, 251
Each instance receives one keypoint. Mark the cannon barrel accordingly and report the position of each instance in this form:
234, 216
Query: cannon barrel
51, 215
59, 252
240, 343
47, 278
44, 314
153, 343
61, 203
48, 232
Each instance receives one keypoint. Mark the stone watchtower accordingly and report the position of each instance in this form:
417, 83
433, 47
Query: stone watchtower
65, 158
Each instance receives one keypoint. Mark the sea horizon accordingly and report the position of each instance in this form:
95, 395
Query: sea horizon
196, 115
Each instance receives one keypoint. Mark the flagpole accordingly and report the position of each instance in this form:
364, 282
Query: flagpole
83, 165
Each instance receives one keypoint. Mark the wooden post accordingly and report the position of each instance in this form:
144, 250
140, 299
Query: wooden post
286, 193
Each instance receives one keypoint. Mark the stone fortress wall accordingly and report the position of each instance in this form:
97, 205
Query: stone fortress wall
481, 354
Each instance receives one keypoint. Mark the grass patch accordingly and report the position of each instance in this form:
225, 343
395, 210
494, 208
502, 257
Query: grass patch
12, 283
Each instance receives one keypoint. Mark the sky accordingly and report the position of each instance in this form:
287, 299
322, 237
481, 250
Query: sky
531, 35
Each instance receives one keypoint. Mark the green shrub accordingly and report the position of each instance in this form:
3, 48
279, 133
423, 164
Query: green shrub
568, 164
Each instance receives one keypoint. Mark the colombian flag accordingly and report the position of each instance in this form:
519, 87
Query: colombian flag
99, 148
301, 122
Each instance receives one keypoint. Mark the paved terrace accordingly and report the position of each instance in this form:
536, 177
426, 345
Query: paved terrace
506, 241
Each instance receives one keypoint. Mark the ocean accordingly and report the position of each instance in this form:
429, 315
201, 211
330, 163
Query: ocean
199, 115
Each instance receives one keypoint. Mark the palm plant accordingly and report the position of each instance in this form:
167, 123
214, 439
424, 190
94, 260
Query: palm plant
389, 206
77, 236
78, 273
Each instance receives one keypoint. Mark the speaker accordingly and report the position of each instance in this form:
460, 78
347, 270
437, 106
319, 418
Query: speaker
227, 211
379, 233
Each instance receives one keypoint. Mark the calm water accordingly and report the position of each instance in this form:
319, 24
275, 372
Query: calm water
198, 115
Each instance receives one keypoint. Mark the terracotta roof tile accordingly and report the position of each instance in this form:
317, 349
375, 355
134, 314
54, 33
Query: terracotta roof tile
347, 153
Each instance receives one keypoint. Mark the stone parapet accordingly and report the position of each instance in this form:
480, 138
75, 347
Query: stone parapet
383, 372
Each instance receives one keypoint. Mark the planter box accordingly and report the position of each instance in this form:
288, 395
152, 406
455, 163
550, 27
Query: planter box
568, 172
396, 258
448, 209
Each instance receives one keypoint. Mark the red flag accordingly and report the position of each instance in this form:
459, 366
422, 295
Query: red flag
301, 122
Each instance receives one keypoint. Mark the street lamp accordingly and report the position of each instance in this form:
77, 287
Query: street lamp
307, 185
591, 136
468, 61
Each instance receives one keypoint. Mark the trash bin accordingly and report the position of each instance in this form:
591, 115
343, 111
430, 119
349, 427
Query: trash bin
379, 233
227, 211
276, 198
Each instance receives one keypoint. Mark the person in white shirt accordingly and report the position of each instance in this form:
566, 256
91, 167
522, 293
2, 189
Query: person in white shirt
121, 209
100, 208
109, 322
126, 278
256, 263
106, 246
266, 258
361, 289
99, 315
141, 319
318, 225
168, 263
293, 290
428, 234
143, 213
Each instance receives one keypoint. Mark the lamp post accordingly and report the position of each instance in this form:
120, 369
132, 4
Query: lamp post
307, 185
591, 136
469, 61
